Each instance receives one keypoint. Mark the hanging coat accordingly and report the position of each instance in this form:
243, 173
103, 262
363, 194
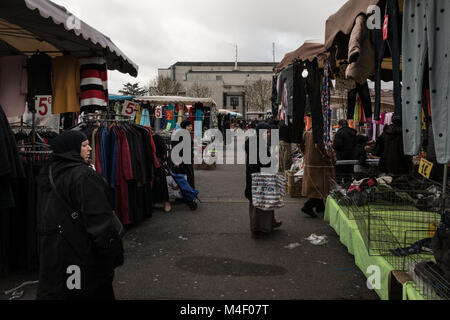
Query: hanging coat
319, 172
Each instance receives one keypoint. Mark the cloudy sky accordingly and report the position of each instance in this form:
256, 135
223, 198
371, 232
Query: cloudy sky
157, 33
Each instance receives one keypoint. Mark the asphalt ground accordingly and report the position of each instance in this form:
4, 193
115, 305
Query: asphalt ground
209, 253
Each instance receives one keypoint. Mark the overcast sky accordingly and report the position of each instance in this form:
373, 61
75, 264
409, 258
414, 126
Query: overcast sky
156, 34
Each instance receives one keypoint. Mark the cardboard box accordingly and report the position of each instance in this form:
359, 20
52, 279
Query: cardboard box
396, 280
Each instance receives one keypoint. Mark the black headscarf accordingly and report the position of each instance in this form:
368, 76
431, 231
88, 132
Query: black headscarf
68, 141
185, 123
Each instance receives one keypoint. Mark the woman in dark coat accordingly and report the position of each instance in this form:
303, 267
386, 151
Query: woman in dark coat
160, 191
79, 240
186, 168
261, 222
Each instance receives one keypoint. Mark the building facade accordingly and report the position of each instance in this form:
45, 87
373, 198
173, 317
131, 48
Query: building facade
226, 80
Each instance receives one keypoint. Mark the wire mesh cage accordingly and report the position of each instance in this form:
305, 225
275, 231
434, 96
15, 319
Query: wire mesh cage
345, 175
429, 280
393, 218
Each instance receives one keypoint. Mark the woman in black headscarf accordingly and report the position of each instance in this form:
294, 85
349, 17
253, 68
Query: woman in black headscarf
261, 222
79, 240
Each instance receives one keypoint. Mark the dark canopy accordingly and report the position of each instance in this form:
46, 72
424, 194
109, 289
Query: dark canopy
308, 51
30, 25
339, 25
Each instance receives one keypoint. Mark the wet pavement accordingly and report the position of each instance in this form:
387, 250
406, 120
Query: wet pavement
210, 254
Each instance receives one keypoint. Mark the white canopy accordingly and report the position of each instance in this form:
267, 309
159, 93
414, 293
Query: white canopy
174, 99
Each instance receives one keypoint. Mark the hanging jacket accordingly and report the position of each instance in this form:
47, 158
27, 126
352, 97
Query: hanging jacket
393, 159
89, 241
361, 52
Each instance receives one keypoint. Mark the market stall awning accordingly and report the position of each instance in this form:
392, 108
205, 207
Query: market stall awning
307, 51
231, 113
113, 97
30, 25
175, 99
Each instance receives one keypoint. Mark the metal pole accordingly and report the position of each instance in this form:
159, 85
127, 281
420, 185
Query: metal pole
33, 130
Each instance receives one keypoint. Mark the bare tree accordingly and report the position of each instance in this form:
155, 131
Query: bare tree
199, 91
258, 95
164, 86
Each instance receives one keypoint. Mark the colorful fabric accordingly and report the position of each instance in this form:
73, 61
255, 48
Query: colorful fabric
362, 115
326, 108
66, 85
145, 119
356, 114
94, 82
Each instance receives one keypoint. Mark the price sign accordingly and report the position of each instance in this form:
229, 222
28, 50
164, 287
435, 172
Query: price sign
130, 108
43, 106
158, 112
425, 167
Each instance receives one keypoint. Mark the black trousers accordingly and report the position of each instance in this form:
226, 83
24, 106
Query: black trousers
394, 44
364, 94
304, 88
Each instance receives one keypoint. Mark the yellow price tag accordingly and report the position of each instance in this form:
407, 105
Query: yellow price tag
432, 228
425, 167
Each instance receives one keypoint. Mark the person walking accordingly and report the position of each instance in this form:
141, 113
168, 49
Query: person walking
285, 148
79, 234
262, 223
186, 168
317, 176
160, 192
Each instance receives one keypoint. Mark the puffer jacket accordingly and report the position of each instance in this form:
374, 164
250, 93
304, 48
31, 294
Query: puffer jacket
89, 241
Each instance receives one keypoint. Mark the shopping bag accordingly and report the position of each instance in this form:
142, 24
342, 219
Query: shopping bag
173, 188
268, 191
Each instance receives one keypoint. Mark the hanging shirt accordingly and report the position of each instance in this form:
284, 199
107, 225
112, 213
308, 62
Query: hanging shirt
94, 84
13, 85
145, 120
169, 117
138, 115
356, 114
66, 85
388, 118
39, 77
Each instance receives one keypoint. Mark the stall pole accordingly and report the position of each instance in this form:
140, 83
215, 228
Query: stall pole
33, 130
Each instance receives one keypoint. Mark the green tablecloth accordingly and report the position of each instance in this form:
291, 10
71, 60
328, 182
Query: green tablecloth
410, 292
350, 236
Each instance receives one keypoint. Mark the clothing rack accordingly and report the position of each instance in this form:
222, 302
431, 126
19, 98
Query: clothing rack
107, 117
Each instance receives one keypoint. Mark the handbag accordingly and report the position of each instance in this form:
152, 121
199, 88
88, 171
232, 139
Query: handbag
118, 226
268, 191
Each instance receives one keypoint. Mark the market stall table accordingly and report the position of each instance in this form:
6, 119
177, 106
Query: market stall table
351, 237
